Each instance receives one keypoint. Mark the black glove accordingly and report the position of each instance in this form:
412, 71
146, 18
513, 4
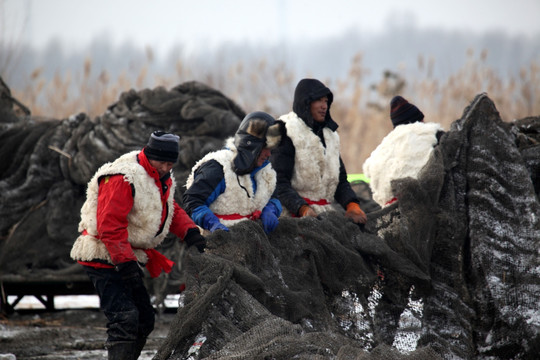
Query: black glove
131, 273
194, 238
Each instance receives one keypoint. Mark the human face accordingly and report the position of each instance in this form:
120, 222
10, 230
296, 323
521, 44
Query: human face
162, 167
319, 108
263, 156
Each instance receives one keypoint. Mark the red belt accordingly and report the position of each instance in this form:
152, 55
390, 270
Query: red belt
157, 262
318, 202
253, 216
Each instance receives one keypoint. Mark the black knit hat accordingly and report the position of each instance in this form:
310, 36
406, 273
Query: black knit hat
162, 146
402, 112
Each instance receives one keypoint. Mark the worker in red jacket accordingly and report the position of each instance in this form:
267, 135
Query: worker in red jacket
129, 210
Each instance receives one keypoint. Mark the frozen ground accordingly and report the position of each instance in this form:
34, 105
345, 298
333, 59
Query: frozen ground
76, 331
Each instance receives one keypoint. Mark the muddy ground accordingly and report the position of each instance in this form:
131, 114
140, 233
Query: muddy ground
71, 334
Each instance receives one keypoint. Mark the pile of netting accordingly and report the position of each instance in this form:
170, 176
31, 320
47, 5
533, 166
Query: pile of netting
47, 163
451, 270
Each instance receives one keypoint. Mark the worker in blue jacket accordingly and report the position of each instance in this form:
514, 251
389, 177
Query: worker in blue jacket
237, 183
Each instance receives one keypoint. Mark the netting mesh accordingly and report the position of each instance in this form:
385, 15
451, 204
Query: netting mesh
280, 296
449, 271
47, 164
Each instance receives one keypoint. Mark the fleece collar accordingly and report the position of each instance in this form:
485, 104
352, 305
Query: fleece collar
143, 161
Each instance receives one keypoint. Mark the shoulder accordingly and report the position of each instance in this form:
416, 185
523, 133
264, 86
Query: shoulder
417, 128
220, 157
291, 116
210, 168
126, 165
293, 122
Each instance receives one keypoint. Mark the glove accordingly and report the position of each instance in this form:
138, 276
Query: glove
306, 210
194, 238
269, 219
131, 273
355, 213
211, 222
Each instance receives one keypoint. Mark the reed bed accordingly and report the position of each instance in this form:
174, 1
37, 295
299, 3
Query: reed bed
361, 109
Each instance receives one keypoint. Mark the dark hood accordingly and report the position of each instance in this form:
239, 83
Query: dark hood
306, 92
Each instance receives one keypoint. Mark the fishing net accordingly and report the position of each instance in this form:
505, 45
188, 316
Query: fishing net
450, 270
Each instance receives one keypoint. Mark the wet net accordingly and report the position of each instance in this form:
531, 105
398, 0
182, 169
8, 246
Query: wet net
449, 271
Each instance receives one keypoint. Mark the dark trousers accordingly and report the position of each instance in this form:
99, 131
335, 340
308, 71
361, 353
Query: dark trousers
126, 304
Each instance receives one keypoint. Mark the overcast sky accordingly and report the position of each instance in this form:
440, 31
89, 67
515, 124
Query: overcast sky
206, 23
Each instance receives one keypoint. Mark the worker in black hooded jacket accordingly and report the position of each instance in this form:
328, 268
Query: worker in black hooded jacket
310, 172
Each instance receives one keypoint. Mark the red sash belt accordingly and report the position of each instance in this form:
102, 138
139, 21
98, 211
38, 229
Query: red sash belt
253, 216
321, 202
157, 262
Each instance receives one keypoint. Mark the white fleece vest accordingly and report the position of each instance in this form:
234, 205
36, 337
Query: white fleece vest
316, 168
144, 218
402, 153
235, 199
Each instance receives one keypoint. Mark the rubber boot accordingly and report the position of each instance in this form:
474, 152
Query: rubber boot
121, 350
139, 346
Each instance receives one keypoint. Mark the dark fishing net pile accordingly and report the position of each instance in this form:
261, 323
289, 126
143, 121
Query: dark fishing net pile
450, 271
46, 165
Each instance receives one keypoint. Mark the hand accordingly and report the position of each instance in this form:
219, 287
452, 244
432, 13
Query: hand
306, 210
269, 219
355, 213
194, 238
212, 223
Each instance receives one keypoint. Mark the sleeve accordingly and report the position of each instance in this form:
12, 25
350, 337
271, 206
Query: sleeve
344, 192
208, 184
205, 181
181, 222
115, 200
283, 163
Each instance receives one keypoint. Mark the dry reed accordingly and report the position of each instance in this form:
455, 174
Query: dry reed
362, 111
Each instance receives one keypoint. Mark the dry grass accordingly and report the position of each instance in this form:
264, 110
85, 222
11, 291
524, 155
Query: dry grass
362, 111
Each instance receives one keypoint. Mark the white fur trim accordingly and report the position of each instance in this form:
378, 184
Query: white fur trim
316, 168
273, 136
235, 199
402, 153
144, 218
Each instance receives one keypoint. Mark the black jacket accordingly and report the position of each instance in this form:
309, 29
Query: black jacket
283, 157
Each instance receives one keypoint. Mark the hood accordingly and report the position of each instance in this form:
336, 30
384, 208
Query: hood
258, 130
305, 93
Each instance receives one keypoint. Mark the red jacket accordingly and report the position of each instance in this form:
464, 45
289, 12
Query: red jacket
115, 200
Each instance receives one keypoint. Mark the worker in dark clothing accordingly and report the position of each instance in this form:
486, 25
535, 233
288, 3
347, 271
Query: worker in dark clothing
310, 172
237, 183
